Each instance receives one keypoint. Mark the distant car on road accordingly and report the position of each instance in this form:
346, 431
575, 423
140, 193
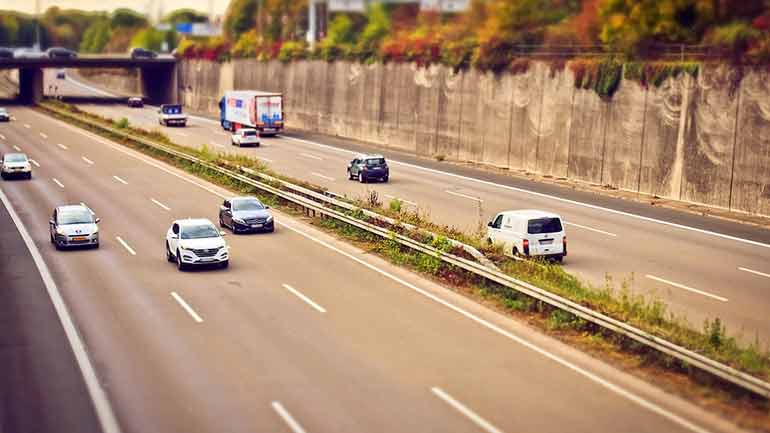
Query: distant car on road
74, 226
246, 214
141, 53
369, 167
28, 53
171, 114
15, 165
196, 242
4, 115
135, 101
529, 233
61, 75
245, 137
60, 53
6, 53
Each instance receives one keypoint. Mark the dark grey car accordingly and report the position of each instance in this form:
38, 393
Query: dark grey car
246, 214
366, 168
74, 226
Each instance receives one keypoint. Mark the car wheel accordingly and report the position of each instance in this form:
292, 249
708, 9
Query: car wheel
179, 265
225, 264
385, 179
361, 177
96, 246
29, 176
559, 259
221, 223
51, 236
515, 252
169, 256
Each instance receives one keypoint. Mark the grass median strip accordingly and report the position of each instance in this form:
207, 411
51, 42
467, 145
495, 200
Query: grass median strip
616, 300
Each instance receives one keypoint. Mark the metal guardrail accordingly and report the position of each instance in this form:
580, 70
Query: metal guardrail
689, 357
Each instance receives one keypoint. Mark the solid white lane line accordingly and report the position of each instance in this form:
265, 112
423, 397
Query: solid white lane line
591, 229
322, 176
469, 197
63, 147
181, 134
307, 155
56, 181
543, 195
88, 161
43, 135
120, 180
126, 246
214, 143
16, 148
473, 416
187, 307
641, 401
263, 158
35, 163
392, 197
689, 289
160, 204
610, 386
287, 418
304, 298
102, 406
26, 125
751, 271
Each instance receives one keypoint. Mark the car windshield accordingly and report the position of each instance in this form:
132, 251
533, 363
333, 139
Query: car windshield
172, 109
15, 157
544, 225
199, 232
241, 205
373, 162
75, 216
250, 133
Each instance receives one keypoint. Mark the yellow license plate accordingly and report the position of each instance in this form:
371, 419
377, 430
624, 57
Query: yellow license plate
79, 238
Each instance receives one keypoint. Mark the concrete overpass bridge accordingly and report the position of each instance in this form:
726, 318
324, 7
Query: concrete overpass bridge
157, 76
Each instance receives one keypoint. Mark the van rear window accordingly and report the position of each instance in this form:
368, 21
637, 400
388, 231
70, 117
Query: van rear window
544, 225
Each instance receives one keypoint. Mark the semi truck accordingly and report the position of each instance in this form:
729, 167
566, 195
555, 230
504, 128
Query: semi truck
262, 111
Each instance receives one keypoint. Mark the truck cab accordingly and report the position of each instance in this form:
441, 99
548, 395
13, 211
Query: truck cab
171, 114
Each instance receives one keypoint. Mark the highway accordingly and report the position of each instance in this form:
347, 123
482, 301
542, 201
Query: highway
703, 267
302, 333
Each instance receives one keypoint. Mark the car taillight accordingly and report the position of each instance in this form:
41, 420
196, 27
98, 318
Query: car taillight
526, 247
564, 241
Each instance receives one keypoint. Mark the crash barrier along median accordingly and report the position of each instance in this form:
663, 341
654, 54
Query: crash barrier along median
322, 205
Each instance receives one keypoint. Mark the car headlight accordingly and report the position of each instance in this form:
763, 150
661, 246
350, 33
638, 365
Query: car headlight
239, 220
60, 231
269, 218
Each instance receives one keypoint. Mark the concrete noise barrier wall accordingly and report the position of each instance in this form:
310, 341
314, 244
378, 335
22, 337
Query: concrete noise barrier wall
695, 139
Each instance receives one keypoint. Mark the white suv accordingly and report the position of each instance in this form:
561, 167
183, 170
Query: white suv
196, 242
245, 137
15, 164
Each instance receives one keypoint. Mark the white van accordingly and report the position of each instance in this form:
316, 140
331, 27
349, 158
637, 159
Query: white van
529, 233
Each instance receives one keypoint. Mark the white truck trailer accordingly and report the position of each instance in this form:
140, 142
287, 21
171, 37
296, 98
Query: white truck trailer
262, 111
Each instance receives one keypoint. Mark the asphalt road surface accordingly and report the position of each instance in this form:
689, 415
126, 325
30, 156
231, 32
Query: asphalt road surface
302, 333
703, 267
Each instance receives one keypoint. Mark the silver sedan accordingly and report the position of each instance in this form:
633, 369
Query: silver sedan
74, 226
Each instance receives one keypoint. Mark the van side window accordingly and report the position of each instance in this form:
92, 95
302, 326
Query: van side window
498, 222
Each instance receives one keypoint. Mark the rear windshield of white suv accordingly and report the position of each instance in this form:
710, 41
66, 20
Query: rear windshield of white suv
544, 225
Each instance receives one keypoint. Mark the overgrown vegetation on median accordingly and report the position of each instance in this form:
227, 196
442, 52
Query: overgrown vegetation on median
615, 300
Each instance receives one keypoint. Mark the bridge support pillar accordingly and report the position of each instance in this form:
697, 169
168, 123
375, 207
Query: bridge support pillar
159, 84
30, 85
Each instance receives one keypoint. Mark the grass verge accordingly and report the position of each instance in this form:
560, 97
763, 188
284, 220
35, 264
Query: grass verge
644, 312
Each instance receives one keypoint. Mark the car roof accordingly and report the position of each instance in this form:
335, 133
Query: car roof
370, 156
530, 214
193, 222
243, 197
15, 154
67, 207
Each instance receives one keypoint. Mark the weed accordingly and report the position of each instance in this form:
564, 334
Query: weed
395, 206
122, 123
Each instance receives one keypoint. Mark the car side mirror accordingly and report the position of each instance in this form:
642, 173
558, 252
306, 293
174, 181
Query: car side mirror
97, 220
51, 222
267, 207
223, 208
490, 224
